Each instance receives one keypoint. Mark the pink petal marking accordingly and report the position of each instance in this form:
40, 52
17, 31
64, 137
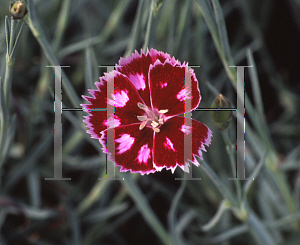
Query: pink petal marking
119, 99
163, 85
168, 144
138, 80
186, 129
126, 141
144, 154
184, 94
112, 122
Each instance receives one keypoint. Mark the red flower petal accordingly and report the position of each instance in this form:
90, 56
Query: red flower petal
124, 99
136, 68
168, 90
133, 148
169, 145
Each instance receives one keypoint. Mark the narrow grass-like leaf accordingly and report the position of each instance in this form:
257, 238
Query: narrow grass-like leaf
39, 214
61, 24
260, 121
10, 128
89, 81
230, 148
148, 31
212, 88
7, 34
220, 186
224, 205
81, 45
106, 213
25, 166
230, 233
134, 36
12, 35
182, 23
93, 195
75, 226
110, 26
3, 110
253, 176
34, 188
13, 51
222, 32
209, 18
255, 85
285, 221
258, 230
172, 213
184, 221
116, 47
146, 211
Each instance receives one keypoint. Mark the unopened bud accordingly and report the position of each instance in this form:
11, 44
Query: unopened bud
221, 118
18, 10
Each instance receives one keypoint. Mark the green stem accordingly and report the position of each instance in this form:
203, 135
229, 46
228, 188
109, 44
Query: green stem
7, 122
258, 230
12, 34
172, 212
229, 149
219, 185
8, 80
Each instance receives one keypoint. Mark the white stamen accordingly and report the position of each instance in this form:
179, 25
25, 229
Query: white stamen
143, 124
154, 124
163, 111
141, 106
142, 118
157, 119
156, 130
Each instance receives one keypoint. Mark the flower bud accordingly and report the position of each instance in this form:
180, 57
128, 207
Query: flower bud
18, 10
221, 118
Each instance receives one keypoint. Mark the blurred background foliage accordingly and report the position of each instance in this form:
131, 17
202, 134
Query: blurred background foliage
153, 209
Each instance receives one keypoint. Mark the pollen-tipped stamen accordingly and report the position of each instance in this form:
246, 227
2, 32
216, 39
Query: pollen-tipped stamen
143, 124
142, 118
156, 120
141, 106
154, 124
163, 111
156, 130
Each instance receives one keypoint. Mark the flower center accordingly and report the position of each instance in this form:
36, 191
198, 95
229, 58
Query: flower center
152, 117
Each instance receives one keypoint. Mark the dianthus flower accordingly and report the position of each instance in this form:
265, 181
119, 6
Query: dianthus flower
149, 94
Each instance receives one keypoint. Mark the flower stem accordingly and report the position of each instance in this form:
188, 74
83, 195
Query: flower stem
258, 230
172, 213
229, 149
7, 122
